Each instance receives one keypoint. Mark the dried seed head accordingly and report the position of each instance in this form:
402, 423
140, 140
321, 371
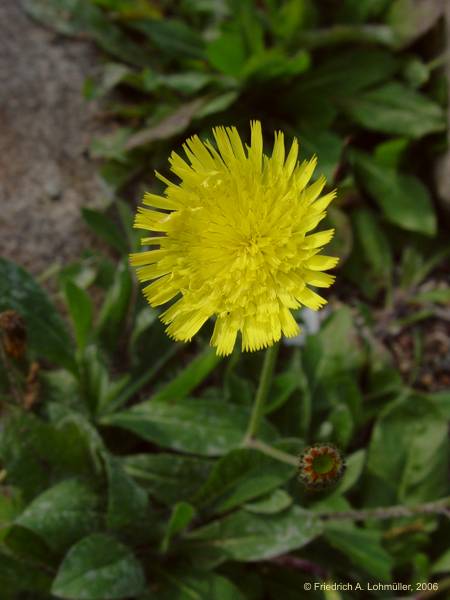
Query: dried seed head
13, 333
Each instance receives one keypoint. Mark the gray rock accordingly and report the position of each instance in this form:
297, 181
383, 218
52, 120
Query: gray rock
45, 128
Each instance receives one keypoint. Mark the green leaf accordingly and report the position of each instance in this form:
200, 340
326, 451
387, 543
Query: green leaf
442, 565
82, 272
404, 199
327, 146
363, 547
188, 82
283, 386
421, 567
82, 443
62, 514
243, 536
417, 72
144, 319
341, 421
130, 10
127, 501
99, 568
360, 11
28, 546
342, 243
174, 123
77, 16
46, 332
312, 111
439, 295
117, 172
166, 351
237, 389
274, 502
241, 475
227, 53
111, 146
112, 75
206, 427
354, 467
80, 309
415, 265
396, 110
374, 243
19, 577
105, 228
217, 104
344, 390
196, 585
346, 73
391, 152
126, 215
168, 477
45, 451
94, 378
408, 451
248, 19
174, 38
442, 401
182, 515
288, 17
325, 356
275, 64
115, 307
189, 378
11, 505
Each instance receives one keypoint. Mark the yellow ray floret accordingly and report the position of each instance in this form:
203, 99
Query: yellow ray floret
233, 241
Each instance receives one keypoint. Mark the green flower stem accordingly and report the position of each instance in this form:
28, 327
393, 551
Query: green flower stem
263, 390
273, 452
438, 507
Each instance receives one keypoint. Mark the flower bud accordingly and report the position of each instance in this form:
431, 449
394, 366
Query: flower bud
320, 466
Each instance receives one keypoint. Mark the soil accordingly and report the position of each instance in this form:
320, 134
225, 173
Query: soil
45, 129
432, 372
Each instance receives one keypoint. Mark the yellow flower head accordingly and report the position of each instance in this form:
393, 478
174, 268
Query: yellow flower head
235, 244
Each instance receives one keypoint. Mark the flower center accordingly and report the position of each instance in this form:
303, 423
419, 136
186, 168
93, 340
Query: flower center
324, 463
252, 245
